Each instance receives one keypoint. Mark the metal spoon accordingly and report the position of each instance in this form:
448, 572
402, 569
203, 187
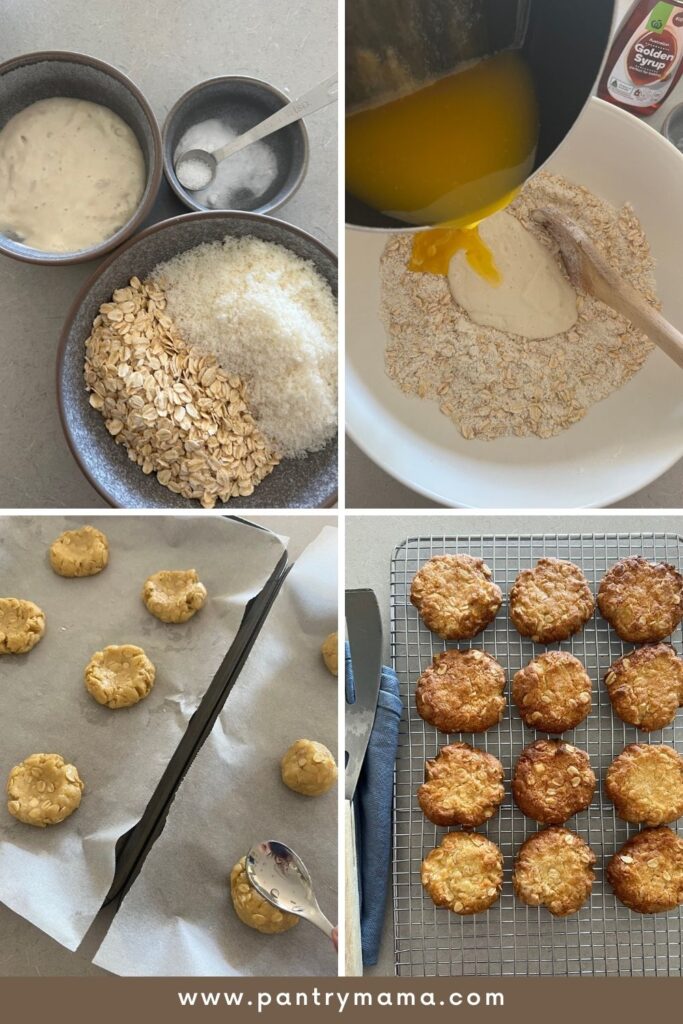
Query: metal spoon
196, 169
282, 878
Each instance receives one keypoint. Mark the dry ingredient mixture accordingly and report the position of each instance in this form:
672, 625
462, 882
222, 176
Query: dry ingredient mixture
492, 384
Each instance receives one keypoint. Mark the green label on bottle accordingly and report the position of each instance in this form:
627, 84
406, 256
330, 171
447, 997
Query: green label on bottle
659, 16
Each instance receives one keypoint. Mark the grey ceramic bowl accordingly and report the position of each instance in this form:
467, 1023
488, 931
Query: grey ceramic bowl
38, 76
309, 482
243, 102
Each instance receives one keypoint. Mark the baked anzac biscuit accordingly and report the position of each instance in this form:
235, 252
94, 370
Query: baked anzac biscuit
330, 653
252, 909
550, 602
464, 873
552, 692
641, 600
119, 676
461, 691
646, 686
308, 767
554, 869
78, 553
552, 781
455, 596
645, 784
464, 786
43, 790
647, 872
22, 624
174, 595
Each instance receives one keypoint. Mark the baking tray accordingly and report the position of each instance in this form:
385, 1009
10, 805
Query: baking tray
604, 938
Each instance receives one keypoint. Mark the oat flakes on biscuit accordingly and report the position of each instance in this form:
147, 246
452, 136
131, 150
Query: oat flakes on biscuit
174, 595
330, 652
554, 869
119, 676
464, 873
552, 692
550, 602
645, 784
455, 596
309, 768
641, 600
646, 874
464, 786
79, 553
552, 781
43, 790
646, 686
252, 909
22, 624
461, 691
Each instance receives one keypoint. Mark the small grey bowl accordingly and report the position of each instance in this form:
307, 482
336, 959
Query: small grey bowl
309, 482
38, 76
672, 129
243, 102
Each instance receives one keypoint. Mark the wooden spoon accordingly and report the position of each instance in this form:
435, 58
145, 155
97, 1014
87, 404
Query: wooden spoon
589, 271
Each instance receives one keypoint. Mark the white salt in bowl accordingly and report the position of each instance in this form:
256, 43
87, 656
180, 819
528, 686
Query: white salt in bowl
621, 445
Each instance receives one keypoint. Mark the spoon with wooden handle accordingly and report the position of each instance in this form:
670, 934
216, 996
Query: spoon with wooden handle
589, 271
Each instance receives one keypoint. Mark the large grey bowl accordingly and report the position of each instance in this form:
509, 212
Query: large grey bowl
38, 76
309, 482
244, 103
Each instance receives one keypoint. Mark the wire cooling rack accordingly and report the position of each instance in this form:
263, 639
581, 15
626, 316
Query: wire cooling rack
604, 938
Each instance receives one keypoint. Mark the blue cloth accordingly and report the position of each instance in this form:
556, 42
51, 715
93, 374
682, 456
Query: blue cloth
373, 809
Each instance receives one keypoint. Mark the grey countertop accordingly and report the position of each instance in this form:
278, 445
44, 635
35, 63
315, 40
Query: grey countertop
370, 541
165, 49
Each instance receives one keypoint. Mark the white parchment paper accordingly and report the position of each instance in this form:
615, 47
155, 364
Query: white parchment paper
57, 877
177, 918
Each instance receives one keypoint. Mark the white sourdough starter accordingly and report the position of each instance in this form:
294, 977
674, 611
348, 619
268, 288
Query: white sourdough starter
71, 174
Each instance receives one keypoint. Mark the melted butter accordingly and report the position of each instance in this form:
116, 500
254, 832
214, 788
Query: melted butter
434, 249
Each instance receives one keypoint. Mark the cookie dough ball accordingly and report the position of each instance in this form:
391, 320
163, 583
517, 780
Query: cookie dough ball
43, 790
455, 596
641, 600
461, 691
554, 869
309, 768
119, 676
552, 781
645, 784
647, 872
82, 552
464, 873
22, 624
646, 686
552, 692
174, 595
330, 653
464, 786
550, 602
252, 909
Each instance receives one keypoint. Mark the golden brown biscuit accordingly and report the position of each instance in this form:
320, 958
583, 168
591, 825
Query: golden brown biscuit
554, 869
641, 600
647, 872
550, 602
461, 691
308, 767
43, 790
22, 624
174, 595
252, 909
119, 676
464, 873
646, 686
330, 653
552, 692
79, 553
645, 784
464, 786
455, 596
552, 781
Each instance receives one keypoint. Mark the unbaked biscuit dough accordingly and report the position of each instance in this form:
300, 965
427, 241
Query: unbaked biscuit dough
119, 676
330, 653
174, 595
252, 909
79, 553
22, 624
43, 790
308, 767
